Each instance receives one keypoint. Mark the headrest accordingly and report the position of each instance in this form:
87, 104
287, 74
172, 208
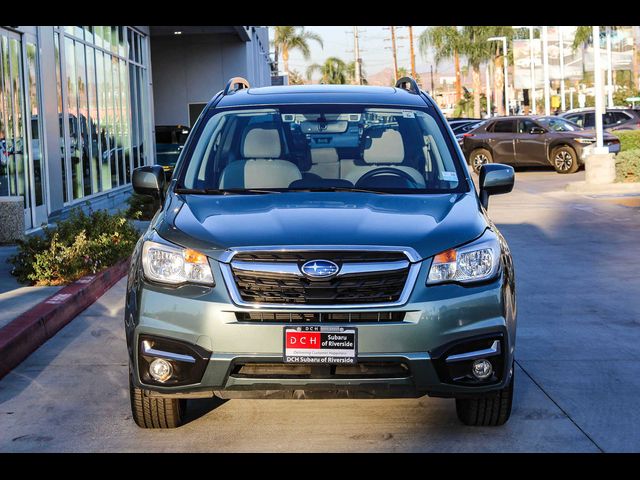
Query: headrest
259, 174
261, 143
324, 155
386, 149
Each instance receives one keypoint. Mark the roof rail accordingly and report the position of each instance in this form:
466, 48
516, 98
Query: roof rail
408, 84
235, 84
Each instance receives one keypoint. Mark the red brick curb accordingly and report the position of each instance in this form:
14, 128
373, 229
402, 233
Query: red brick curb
26, 333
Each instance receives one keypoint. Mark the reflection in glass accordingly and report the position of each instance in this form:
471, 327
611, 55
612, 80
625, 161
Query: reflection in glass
83, 114
4, 154
20, 150
75, 142
36, 147
93, 121
63, 157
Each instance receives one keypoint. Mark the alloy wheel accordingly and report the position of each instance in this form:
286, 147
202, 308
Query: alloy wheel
479, 160
563, 160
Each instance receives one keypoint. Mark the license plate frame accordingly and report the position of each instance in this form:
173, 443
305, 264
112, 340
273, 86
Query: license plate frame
336, 345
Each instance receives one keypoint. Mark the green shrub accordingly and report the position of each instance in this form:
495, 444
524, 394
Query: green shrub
628, 166
80, 245
629, 139
141, 207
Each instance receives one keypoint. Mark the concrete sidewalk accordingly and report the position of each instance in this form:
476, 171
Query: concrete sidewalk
16, 298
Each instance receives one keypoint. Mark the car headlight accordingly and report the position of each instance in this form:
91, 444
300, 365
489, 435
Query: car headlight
585, 141
474, 262
175, 265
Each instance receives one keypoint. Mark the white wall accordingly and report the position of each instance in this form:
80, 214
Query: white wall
193, 68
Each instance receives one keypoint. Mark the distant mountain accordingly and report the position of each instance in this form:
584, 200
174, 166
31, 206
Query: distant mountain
382, 78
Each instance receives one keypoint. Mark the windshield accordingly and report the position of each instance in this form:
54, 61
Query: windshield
303, 147
559, 124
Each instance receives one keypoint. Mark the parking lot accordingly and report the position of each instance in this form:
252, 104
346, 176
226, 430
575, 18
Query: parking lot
578, 345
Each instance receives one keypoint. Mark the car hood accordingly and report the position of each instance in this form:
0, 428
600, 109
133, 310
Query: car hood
427, 223
591, 133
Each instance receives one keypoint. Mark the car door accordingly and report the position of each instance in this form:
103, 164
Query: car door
531, 148
501, 140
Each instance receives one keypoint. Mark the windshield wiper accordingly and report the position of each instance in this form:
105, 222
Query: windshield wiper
337, 189
222, 191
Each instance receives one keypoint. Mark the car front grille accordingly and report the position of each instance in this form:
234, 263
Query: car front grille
274, 278
320, 317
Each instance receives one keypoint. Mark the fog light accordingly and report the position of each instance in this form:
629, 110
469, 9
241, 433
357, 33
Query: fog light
482, 369
160, 370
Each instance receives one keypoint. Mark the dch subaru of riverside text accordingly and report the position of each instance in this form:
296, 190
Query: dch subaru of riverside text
321, 241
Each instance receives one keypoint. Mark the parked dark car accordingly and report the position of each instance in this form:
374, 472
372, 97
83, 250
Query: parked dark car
170, 140
612, 119
530, 141
463, 125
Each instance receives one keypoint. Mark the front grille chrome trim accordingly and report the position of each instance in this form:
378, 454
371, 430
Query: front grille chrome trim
234, 293
293, 268
409, 252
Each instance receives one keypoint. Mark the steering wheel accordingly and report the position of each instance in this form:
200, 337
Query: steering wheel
387, 171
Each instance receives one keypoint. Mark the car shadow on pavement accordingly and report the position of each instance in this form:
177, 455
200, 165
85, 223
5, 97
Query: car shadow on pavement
197, 408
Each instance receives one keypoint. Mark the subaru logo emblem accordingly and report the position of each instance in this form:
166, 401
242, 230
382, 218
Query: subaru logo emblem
319, 269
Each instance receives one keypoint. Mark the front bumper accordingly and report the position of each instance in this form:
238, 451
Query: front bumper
435, 317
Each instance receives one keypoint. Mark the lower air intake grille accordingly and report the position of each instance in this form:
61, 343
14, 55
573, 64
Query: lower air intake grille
320, 317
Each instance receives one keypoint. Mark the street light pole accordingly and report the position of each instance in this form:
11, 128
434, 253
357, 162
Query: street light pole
545, 70
533, 72
561, 45
597, 75
609, 70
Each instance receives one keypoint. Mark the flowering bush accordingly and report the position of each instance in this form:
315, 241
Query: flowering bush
80, 245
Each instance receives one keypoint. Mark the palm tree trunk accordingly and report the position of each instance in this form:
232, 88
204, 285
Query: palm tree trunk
285, 60
456, 63
475, 75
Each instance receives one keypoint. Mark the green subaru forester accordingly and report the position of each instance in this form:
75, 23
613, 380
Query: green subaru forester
321, 241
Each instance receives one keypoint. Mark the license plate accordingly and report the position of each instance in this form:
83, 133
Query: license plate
324, 345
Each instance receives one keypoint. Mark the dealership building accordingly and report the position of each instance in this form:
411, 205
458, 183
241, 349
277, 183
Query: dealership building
79, 104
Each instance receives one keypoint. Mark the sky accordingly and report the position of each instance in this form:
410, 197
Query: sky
338, 42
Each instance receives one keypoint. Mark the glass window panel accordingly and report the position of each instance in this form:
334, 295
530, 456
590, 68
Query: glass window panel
114, 39
9, 118
75, 140
117, 96
134, 115
34, 102
106, 37
4, 154
126, 123
20, 149
102, 115
121, 42
130, 35
88, 33
83, 115
140, 89
92, 123
63, 159
112, 154
78, 31
69, 30
97, 35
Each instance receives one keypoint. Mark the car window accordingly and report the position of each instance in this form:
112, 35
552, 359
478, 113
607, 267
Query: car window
505, 126
578, 119
615, 118
558, 124
525, 125
589, 120
297, 147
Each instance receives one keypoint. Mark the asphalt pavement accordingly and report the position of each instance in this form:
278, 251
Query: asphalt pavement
578, 348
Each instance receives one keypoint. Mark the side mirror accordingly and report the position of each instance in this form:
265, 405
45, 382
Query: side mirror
495, 179
537, 130
149, 180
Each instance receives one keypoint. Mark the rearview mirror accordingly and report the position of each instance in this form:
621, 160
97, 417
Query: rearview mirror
149, 180
537, 130
495, 178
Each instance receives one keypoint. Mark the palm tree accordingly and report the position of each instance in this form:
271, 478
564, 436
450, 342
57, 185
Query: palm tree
286, 39
295, 78
332, 71
478, 50
447, 42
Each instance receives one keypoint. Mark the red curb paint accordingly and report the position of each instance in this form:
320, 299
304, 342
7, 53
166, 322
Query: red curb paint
26, 333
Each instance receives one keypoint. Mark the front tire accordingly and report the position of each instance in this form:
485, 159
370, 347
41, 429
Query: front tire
564, 159
479, 157
488, 410
155, 412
